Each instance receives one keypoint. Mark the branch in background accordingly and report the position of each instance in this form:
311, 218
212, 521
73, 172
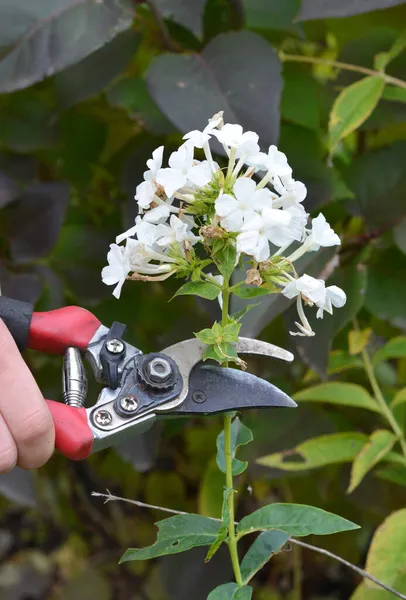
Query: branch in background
343, 66
166, 37
110, 497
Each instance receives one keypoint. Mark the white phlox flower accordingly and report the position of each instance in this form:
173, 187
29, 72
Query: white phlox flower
272, 225
233, 136
118, 268
145, 194
311, 288
177, 231
154, 164
322, 234
335, 296
236, 210
275, 162
286, 186
183, 169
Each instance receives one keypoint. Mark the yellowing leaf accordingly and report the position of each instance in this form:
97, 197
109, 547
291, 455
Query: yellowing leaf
358, 340
334, 392
387, 554
353, 106
399, 398
320, 451
378, 445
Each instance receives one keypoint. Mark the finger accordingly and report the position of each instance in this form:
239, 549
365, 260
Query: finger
8, 448
23, 408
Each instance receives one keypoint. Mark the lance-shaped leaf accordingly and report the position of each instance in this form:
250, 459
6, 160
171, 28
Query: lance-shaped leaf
395, 348
386, 556
238, 72
394, 93
231, 591
177, 534
375, 449
199, 288
393, 473
353, 106
265, 546
294, 519
51, 36
240, 436
340, 393
225, 522
334, 448
399, 398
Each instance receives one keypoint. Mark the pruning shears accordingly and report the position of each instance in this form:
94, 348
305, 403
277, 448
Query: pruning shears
139, 388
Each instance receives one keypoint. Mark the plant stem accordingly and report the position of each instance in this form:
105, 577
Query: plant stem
343, 66
385, 410
232, 543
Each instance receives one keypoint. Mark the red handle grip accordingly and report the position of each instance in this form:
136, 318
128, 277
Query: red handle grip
54, 331
73, 436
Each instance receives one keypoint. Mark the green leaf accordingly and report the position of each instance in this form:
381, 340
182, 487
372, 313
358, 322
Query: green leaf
206, 336
353, 106
393, 473
225, 260
299, 82
294, 519
231, 331
386, 555
399, 398
340, 361
395, 348
190, 88
265, 546
382, 59
131, 94
271, 14
76, 28
212, 353
392, 92
371, 192
317, 452
249, 291
240, 436
223, 531
198, 288
237, 316
375, 449
177, 534
231, 591
386, 287
340, 393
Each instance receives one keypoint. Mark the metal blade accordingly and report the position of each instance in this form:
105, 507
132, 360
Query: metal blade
215, 389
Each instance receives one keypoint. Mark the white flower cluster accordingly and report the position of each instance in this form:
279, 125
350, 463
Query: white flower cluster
176, 203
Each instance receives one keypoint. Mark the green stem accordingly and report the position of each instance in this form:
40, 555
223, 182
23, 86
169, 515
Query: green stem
232, 543
343, 66
385, 410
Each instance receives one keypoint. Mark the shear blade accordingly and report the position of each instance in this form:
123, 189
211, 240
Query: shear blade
215, 390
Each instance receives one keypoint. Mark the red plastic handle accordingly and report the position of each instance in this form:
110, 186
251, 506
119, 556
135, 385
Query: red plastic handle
73, 436
54, 331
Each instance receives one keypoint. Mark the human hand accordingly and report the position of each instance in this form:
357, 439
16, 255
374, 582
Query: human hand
27, 435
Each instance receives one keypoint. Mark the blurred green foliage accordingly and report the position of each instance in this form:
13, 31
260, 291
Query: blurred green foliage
87, 90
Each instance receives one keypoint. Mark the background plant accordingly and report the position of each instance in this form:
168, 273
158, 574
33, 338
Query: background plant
73, 150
